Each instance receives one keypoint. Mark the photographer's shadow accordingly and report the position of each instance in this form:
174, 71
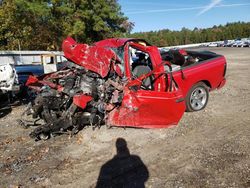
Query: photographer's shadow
123, 170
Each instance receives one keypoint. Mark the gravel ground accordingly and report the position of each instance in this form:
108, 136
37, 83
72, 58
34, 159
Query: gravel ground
210, 148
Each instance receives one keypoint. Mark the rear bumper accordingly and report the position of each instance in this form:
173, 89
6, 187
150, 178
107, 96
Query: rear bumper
222, 83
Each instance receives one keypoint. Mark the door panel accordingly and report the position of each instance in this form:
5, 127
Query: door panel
149, 109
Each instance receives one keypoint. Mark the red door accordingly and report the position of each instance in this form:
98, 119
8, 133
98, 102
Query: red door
148, 109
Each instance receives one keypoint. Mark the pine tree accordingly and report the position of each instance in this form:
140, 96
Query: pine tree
43, 24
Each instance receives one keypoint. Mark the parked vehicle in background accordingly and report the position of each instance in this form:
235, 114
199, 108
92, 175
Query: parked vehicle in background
212, 44
230, 44
243, 44
14, 77
8, 78
49, 63
220, 44
224, 44
235, 44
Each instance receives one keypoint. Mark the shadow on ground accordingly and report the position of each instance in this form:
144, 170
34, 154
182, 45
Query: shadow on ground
123, 170
9, 101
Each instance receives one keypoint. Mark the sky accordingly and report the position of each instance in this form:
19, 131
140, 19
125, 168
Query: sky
152, 15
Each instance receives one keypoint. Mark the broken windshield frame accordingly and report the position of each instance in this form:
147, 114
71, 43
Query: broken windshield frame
120, 53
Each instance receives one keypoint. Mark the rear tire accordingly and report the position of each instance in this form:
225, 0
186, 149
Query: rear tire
197, 97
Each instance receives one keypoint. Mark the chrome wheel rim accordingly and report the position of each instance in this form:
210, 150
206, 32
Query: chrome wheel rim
198, 98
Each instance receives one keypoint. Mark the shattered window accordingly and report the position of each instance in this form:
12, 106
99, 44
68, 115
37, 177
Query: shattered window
120, 53
139, 58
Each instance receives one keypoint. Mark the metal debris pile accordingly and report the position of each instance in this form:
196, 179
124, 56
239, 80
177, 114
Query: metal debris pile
77, 96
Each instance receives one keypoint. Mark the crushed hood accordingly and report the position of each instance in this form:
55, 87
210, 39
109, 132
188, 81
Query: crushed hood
93, 58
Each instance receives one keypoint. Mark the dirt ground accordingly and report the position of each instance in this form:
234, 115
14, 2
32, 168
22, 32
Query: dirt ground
210, 148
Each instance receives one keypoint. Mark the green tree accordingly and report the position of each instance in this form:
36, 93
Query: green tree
43, 24
167, 37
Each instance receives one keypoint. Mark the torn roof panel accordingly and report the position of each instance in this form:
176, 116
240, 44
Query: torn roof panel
117, 42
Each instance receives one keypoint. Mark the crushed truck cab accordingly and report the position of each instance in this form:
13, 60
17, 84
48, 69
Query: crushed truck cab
123, 82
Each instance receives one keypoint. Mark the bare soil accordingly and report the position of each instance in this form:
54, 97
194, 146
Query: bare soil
210, 148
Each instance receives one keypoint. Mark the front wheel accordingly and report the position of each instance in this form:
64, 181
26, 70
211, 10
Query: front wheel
197, 97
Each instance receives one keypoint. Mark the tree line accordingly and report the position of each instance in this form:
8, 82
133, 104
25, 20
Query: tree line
167, 37
43, 24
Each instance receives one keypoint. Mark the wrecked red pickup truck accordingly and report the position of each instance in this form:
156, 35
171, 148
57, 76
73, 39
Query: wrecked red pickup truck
123, 82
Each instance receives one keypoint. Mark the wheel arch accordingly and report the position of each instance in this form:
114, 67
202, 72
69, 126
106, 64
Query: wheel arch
208, 84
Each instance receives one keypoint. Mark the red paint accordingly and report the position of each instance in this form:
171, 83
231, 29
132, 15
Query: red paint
81, 100
31, 80
158, 108
210, 72
161, 108
148, 109
37, 83
183, 52
94, 58
117, 42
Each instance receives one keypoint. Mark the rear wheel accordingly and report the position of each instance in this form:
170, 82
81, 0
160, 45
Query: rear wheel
197, 97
